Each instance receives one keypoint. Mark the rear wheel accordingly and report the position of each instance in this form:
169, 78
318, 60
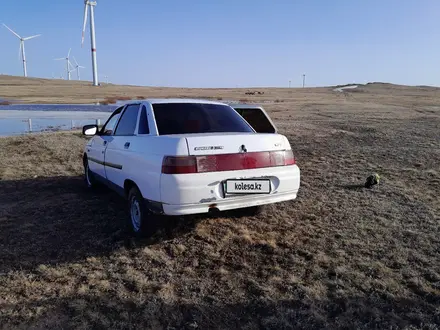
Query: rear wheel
141, 220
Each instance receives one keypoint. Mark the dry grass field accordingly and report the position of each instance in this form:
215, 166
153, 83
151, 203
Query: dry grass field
340, 256
36, 90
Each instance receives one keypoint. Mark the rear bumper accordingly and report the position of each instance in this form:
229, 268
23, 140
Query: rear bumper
227, 204
197, 193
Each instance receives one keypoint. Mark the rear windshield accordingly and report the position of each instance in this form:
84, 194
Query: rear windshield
186, 118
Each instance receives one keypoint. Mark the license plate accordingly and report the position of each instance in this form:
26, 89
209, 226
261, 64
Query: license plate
247, 186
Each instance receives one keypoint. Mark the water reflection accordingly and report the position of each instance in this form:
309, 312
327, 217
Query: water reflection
61, 107
14, 118
16, 126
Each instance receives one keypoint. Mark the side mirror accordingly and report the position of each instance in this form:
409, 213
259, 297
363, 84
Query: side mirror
90, 130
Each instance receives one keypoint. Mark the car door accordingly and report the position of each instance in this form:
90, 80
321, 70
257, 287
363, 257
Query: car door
119, 154
96, 150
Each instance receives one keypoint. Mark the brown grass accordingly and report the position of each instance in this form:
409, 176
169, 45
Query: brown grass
37, 90
113, 99
340, 256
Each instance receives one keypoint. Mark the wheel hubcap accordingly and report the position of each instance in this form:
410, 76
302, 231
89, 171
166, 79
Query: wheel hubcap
135, 212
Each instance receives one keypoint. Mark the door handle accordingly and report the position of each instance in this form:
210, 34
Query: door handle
127, 145
105, 142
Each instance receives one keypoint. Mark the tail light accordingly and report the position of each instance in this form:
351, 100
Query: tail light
289, 158
226, 162
179, 164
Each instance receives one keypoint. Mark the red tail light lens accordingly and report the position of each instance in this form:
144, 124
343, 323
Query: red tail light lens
216, 163
179, 164
226, 162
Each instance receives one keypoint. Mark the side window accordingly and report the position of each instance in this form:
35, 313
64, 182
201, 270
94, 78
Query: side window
143, 121
128, 121
110, 125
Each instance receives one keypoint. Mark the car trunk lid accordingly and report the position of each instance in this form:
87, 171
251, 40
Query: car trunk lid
231, 143
257, 118
230, 152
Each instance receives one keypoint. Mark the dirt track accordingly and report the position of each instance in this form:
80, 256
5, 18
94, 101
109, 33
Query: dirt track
340, 256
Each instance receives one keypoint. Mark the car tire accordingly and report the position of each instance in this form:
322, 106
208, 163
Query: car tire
141, 222
89, 177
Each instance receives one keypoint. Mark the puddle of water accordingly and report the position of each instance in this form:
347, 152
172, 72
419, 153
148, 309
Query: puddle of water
14, 122
14, 126
60, 107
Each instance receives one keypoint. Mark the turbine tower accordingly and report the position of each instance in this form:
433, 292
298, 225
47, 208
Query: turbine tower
77, 67
68, 64
92, 5
21, 49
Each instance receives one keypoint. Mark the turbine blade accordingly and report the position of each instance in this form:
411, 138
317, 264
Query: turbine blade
27, 38
74, 59
11, 31
79, 66
19, 50
68, 54
59, 59
86, 8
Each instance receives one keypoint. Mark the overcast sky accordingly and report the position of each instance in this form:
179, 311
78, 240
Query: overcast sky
230, 43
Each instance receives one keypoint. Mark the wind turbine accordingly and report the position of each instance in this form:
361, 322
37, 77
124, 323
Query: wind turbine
92, 5
23, 54
77, 67
68, 64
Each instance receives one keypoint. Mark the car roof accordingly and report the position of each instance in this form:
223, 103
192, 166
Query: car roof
244, 105
187, 100
180, 100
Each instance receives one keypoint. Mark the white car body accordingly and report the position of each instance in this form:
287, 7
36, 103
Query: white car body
121, 161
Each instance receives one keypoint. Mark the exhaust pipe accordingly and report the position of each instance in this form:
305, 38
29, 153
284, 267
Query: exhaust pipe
213, 209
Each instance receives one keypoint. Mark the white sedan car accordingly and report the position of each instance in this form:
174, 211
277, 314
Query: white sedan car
181, 156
